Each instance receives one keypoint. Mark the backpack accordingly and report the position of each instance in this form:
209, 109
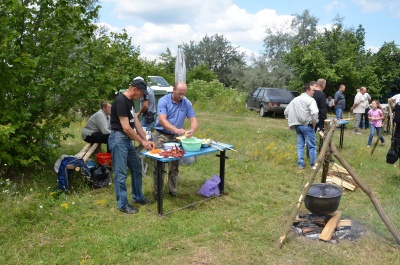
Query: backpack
100, 176
64, 176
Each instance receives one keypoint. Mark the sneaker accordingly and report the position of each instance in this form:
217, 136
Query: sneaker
129, 209
368, 146
383, 144
300, 168
357, 133
144, 202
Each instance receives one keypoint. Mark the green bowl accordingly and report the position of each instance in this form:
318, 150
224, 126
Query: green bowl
191, 144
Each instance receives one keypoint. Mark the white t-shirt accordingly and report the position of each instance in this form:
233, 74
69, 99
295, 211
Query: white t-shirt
396, 98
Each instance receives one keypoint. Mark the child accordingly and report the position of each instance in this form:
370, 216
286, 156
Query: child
375, 115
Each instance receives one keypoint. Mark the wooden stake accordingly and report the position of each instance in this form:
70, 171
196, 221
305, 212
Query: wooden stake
310, 180
329, 229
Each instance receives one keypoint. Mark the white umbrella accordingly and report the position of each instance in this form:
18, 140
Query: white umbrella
180, 67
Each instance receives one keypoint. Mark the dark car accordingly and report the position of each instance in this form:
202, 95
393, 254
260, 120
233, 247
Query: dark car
265, 99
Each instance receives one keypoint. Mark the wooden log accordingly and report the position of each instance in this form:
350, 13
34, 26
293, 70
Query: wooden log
378, 207
317, 220
288, 227
344, 223
83, 151
90, 152
330, 227
339, 168
340, 182
306, 230
346, 177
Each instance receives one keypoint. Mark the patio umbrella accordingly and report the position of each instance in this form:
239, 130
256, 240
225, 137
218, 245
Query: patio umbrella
180, 67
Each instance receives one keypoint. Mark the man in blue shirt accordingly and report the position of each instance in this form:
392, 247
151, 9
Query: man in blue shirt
147, 107
173, 109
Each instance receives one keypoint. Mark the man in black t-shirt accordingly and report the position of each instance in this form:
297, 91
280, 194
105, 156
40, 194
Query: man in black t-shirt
125, 127
320, 98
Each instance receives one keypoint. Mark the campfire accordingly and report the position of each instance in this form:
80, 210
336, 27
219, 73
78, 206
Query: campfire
332, 227
325, 227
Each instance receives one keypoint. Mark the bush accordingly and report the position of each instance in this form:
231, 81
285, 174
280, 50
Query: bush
215, 96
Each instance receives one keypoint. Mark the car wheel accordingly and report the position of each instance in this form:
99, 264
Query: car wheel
263, 113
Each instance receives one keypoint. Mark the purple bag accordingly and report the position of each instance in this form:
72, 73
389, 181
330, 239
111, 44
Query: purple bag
210, 187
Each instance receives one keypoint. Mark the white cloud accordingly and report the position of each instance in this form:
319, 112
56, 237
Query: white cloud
371, 5
160, 24
394, 8
373, 49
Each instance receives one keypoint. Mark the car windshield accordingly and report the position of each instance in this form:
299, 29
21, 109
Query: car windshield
279, 93
158, 80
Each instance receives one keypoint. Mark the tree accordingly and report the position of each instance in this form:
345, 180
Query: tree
52, 61
218, 54
201, 72
338, 55
279, 42
387, 68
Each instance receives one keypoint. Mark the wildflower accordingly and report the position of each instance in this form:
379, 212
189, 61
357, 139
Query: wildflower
100, 202
41, 206
65, 205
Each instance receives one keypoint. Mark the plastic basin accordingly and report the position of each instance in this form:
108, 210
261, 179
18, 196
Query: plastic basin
191, 144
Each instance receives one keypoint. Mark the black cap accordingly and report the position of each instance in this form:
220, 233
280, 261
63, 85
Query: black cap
140, 84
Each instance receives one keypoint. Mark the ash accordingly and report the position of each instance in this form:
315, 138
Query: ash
311, 225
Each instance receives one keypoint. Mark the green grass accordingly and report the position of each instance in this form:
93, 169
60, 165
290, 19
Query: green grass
242, 227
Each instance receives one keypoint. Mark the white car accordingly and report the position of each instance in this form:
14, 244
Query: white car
159, 83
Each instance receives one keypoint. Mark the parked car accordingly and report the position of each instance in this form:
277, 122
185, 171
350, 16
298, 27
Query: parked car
265, 99
159, 83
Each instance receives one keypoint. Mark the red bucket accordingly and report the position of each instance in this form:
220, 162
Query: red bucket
104, 158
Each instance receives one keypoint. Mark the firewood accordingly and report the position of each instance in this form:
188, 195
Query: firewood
344, 176
330, 227
306, 230
341, 182
317, 220
338, 168
344, 223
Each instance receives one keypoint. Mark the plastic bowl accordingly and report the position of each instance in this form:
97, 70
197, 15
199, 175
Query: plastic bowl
169, 145
205, 143
191, 144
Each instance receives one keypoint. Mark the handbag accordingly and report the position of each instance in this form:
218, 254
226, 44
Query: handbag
149, 116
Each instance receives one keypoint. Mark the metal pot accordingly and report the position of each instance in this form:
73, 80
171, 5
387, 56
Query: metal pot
323, 198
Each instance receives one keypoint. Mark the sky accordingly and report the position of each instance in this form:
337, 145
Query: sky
155, 25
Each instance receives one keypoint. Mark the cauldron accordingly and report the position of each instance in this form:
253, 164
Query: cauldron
323, 198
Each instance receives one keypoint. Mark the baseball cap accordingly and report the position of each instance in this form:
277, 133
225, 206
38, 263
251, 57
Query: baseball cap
140, 84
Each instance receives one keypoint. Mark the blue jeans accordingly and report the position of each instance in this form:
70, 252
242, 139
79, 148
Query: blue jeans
124, 156
371, 133
339, 113
306, 135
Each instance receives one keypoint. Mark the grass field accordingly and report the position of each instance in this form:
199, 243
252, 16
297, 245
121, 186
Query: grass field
242, 227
